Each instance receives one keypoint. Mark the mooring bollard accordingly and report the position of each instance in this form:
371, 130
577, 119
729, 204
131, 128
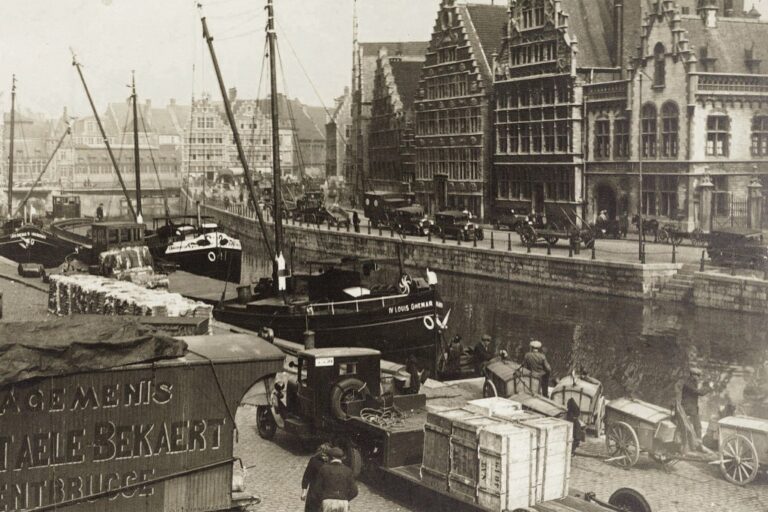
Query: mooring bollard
733, 261
642, 254
429, 235
765, 278
474, 239
369, 227
458, 238
492, 240
442, 235
701, 267
391, 232
380, 230
593, 249
673, 253
338, 226
528, 248
570, 249
549, 249
1, 304
509, 241
347, 227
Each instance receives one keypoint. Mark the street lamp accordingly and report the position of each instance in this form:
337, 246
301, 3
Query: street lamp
640, 246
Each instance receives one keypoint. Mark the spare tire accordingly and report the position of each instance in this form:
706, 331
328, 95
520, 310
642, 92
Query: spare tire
629, 500
343, 392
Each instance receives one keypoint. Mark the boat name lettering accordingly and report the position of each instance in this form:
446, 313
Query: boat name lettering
27, 234
414, 306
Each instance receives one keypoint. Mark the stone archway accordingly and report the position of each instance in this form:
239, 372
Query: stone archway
606, 199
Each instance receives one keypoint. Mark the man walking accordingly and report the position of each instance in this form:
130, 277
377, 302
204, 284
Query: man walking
536, 362
336, 485
309, 490
100, 212
691, 390
356, 221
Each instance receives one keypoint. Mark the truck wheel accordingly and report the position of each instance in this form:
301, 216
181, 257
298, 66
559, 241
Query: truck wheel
265, 422
354, 459
345, 391
629, 500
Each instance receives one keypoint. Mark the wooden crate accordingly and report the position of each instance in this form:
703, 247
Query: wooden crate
517, 416
463, 476
434, 479
437, 436
493, 406
553, 456
507, 465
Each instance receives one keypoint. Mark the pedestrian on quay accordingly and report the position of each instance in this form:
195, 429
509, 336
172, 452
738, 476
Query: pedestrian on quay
336, 485
100, 212
412, 368
356, 221
483, 352
573, 413
690, 389
453, 360
309, 490
536, 362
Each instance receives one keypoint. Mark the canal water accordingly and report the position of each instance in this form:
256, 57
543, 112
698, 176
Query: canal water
636, 348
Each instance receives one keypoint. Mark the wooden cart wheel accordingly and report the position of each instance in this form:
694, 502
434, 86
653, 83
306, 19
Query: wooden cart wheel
676, 237
622, 444
739, 462
629, 500
698, 238
663, 236
489, 389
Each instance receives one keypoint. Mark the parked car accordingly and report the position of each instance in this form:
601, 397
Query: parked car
457, 224
379, 205
411, 220
509, 217
738, 246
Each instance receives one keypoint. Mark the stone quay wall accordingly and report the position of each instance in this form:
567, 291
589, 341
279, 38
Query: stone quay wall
622, 279
733, 293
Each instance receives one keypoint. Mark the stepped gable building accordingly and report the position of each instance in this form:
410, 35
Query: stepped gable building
363, 73
550, 51
390, 135
693, 111
34, 141
453, 106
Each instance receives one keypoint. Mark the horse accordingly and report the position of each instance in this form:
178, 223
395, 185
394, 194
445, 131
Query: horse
650, 226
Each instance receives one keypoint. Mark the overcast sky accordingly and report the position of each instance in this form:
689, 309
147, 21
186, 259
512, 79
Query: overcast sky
161, 40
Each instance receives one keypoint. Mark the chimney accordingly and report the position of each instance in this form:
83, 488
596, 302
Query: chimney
618, 35
710, 14
232, 94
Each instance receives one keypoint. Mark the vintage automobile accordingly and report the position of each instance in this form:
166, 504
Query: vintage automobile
378, 206
456, 224
740, 247
411, 220
509, 217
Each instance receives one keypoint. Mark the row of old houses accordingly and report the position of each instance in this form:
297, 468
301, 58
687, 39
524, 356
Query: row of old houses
567, 108
176, 143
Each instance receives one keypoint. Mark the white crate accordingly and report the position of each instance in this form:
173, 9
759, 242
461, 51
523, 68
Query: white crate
553, 456
506, 467
493, 406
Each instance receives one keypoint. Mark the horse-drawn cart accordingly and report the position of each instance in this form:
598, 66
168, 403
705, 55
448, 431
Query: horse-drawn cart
675, 232
552, 230
743, 447
632, 426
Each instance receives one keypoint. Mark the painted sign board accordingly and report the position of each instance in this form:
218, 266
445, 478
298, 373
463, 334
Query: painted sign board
154, 437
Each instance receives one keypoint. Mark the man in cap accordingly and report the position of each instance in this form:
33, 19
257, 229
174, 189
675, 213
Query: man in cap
536, 362
336, 485
482, 353
692, 389
453, 360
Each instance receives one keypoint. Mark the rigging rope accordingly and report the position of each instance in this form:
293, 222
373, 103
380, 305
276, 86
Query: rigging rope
154, 165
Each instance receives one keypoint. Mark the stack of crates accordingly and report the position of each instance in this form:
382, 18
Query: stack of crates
492, 454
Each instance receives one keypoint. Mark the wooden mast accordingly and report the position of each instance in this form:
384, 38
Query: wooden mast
238, 143
10, 153
136, 162
104, 136
279, 260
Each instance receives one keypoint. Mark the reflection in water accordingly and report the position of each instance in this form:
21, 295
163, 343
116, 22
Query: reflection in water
635, 348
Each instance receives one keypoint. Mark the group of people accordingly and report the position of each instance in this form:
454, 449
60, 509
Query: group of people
328, 484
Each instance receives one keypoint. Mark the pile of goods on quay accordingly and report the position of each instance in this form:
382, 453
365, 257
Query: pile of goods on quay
133, 264
493, 454
89, 294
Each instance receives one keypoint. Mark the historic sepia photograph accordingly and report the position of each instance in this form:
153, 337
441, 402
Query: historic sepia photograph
384, 255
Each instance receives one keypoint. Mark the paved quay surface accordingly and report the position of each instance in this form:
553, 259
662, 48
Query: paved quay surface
274, 468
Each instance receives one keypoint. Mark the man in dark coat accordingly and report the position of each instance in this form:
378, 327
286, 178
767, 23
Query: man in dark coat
356, 221
453, 362
309, 490
336, 484
100, 212
483, 352
692, 389
573, 415
536, 362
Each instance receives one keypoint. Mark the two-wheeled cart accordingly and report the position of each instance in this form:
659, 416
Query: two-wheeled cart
743, 448
675, 232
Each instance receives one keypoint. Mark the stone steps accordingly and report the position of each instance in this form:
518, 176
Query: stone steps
677, 289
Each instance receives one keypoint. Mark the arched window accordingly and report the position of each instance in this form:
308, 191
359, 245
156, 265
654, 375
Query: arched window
659, 78
648, 130
669, 129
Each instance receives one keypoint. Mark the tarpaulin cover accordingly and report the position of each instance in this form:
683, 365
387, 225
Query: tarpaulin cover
76, 344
